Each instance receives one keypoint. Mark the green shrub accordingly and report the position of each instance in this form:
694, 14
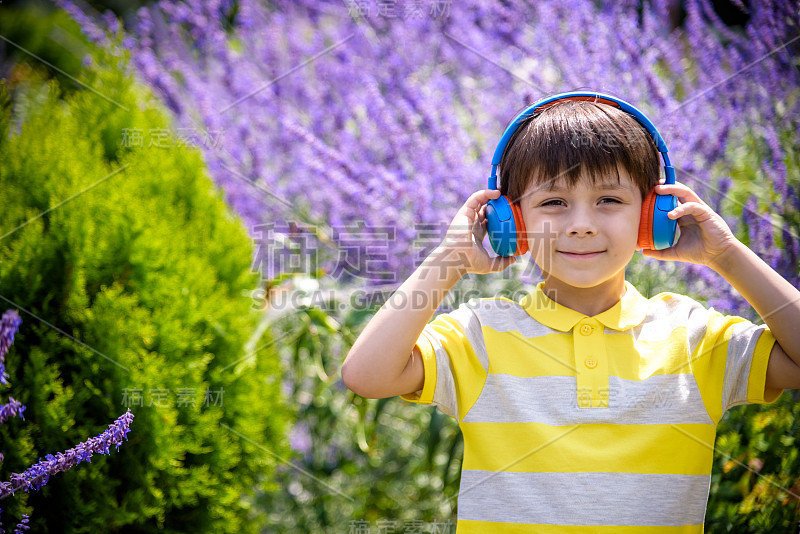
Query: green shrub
365, 465
132, 277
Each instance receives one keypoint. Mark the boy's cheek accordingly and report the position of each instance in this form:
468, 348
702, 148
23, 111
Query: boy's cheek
539, 245
540, 252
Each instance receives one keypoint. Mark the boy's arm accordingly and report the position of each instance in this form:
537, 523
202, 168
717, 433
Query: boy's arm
382, 362
778, 304
707, 240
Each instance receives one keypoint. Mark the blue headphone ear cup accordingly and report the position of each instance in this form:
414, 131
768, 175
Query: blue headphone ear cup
501, 226
657, 230
664, 227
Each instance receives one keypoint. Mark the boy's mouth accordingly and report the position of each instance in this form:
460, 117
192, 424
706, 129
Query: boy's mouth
580, 254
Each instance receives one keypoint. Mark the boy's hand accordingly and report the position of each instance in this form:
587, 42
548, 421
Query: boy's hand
705, 236
462, 248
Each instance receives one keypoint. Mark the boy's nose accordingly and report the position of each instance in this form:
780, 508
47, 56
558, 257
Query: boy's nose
581, 223
582, 230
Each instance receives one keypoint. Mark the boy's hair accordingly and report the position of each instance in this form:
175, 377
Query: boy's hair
562, 142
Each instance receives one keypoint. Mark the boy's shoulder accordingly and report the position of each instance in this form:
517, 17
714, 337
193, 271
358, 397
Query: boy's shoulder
492, 304
668, 310
489, 310
670, 301
483, 307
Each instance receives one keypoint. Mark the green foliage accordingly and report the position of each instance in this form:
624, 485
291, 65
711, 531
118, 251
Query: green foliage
744, 164
132, 277
51, 35
386, 461
755, 481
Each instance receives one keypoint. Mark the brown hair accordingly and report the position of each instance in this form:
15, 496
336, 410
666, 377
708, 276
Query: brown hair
568, 139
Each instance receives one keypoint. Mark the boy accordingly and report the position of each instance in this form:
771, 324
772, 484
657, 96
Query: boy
584, 407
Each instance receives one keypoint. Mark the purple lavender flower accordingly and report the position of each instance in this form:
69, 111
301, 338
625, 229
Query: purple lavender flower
8, 327
11, 409
22, 525
38, 474
95, 32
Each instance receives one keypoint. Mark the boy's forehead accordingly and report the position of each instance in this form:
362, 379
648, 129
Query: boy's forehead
624, 184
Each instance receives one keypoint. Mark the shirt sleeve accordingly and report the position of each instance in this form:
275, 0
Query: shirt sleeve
453, 370
730, 363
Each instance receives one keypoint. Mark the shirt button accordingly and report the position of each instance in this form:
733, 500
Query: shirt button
586, 329
591, 363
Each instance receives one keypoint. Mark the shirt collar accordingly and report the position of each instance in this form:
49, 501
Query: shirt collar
627, 313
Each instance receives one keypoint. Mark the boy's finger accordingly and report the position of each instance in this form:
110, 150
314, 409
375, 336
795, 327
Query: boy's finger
476, 224
482, 196
469, 212
479, 235
680, 191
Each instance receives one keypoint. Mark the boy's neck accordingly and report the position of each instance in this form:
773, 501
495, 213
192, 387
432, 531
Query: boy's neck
589, 301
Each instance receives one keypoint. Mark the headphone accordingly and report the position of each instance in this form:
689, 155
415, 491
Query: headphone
504, 222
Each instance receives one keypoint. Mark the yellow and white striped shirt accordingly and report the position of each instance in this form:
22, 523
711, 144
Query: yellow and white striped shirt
578, 424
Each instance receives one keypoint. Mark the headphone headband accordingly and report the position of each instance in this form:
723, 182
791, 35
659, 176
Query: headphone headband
669, 171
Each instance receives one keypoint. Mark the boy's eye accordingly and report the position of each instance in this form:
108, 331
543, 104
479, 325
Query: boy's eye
551, 202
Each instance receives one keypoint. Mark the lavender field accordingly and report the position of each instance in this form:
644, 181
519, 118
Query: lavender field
385, 119
341, 136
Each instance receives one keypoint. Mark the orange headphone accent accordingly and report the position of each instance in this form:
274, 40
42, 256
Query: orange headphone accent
522, 233
646, 225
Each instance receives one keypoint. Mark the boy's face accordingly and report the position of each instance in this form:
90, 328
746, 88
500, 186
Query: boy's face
564, 225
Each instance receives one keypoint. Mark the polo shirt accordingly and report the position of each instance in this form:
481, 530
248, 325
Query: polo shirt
601, 424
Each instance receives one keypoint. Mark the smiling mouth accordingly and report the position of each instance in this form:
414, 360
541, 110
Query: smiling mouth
582, 254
